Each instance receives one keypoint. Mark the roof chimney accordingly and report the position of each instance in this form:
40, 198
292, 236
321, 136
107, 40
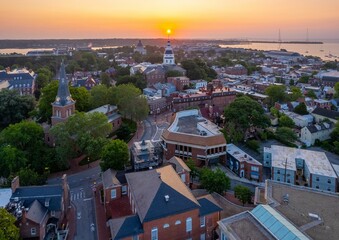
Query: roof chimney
15, 184
166, 198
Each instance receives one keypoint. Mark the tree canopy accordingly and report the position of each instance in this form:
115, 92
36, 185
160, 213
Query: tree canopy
276, 93
214, 181
286, 121
114, 155
198, 69
301, 109
130, 102
336, 89
80, 132
286, 134
243, 193
8, 229
242, 114
13, 107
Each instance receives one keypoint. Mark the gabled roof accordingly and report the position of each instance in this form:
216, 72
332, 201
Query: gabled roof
179, 164
149, 193
36, 212
125, 227
29, 194
326, 113
208, 205
320, 127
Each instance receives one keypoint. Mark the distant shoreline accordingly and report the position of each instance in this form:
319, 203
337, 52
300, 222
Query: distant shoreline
288, 42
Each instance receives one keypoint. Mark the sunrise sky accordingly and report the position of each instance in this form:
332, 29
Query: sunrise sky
221, 19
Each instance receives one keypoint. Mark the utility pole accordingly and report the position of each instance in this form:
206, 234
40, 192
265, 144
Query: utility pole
285, 170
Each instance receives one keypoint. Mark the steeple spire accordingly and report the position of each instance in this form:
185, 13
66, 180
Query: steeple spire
63, 97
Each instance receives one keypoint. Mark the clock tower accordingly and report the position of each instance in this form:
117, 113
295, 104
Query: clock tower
64, 105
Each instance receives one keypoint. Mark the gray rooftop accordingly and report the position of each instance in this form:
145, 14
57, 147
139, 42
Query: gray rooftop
240, 155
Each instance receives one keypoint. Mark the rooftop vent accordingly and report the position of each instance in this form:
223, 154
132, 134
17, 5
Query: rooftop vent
166, 198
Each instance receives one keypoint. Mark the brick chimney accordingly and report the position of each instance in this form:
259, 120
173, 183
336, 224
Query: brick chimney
15, 184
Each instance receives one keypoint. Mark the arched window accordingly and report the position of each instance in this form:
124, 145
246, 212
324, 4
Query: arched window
188, 224
177, 222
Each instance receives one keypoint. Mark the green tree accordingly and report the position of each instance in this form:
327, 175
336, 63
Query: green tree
44, 77
296, 93
214, 181
253, 144
301, 109
286, 134
12, 159
286, 121
8, 229
137, 80
173, 73
276, 93
29, 177
304, 79
100, 95
311, 94
114, 155
48, 94
243, 114
243, 193
105, 79
336, 90
13, 107
275, 112
79, 129
130, 102
81, 97
194, 170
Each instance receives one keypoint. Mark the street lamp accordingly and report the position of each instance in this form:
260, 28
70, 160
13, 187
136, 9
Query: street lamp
87, 162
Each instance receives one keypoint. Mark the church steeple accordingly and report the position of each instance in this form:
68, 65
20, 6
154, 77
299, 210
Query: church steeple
63, 97
64, 105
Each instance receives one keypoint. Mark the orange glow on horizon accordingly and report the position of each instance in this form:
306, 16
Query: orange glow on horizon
184, 19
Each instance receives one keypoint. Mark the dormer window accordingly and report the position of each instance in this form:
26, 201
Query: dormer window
47, 202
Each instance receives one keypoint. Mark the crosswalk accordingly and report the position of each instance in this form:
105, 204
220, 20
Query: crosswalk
77, 195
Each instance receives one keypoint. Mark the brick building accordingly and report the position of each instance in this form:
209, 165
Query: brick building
220, 98
40, 210
163, 207
242, 164
192, 136
179, 82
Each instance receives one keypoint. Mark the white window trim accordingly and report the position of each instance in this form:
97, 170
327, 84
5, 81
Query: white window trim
189, 224
202, 223
154, 233
115, 195
33, 231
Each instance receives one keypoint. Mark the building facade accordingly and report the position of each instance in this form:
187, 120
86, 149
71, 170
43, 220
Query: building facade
316, 132
192, 136
300, 167
163, 207
242, 164
22, 80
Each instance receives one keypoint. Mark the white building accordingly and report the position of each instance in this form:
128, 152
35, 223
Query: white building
300, 167
320, 131
169, 55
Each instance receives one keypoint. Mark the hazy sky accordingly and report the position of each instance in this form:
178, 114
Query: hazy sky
32, 19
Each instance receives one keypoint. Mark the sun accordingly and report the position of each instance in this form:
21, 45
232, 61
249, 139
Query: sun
168, 31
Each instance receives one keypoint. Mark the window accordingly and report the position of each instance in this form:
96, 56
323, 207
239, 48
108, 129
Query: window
329, 189
52, 213
154, 233
317, 179
329, 181
135, 237
177, 222
255, 169
113, 193
317, 187
188, 224
278, 171
202, 221
223, 236
183, 177
124, 190
202, 236
33, 231
166, 225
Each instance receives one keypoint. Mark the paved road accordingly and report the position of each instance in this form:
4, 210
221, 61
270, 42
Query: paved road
81, 195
